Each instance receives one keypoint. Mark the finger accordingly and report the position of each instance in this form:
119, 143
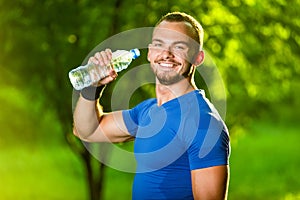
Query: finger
93, 60
106, 58
106, 80
113, 73
90, 60
99, 59
108, 53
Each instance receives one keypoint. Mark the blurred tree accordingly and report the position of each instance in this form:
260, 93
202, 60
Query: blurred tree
41, 41
255, 45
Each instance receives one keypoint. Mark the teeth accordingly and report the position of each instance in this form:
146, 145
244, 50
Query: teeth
166, 64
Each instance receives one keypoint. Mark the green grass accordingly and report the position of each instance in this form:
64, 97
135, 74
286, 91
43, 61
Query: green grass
34, 172
52, 173
264, 165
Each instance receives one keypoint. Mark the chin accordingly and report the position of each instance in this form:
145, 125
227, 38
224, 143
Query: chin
170, 80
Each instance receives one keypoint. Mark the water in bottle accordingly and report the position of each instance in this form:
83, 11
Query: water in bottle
84, 76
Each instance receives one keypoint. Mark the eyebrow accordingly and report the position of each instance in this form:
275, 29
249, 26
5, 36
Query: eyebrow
176, 42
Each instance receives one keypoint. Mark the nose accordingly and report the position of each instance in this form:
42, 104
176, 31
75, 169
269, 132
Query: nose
167, 53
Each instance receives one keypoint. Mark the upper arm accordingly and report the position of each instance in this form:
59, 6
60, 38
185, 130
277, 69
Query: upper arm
111, 128
210, 183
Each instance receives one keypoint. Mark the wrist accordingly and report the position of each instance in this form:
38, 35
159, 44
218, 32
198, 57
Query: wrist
92, 93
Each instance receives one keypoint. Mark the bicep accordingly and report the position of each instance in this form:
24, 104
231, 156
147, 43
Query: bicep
210, 183
111, 129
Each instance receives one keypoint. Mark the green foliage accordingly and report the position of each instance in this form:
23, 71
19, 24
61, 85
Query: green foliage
255, 45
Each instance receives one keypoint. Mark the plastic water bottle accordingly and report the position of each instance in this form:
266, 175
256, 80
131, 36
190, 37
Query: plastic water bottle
84, 76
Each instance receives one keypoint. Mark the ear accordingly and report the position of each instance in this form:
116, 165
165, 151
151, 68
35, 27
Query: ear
199, 58
148, 54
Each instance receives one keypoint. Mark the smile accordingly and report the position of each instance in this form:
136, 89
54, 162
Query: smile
167, 65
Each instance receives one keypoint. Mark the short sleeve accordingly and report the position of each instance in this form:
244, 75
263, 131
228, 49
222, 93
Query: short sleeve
131, 121
132, 117
210, 146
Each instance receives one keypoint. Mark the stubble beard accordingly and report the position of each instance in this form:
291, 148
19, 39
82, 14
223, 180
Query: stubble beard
166, 79
171, 77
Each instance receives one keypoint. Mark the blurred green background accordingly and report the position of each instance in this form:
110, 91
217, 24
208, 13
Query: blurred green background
254, 43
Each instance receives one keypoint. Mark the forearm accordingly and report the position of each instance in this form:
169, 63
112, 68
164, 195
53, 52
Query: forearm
87, 116
88, 113
92, 125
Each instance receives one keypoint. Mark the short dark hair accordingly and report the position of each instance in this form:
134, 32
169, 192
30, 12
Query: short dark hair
183, 17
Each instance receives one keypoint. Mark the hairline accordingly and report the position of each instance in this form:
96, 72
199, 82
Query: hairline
189, 21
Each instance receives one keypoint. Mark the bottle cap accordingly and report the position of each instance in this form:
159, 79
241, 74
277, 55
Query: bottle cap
136, 53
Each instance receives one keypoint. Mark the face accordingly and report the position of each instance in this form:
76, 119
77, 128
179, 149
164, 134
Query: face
172, 51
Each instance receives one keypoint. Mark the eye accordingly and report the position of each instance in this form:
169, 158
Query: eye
180, 47
157, 44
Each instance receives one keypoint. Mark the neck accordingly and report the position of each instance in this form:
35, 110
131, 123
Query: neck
165, 93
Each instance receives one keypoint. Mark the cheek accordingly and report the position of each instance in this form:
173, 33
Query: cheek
183, 56
151, 55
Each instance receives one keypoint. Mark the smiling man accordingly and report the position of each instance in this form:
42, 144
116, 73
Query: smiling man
181, 143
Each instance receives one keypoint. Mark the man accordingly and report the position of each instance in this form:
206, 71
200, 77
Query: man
181, 143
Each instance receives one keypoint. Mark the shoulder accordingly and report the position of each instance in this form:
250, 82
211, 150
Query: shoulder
133, 116
196, 98
208, 138
147, 102
140, 109
198, 109
144, 105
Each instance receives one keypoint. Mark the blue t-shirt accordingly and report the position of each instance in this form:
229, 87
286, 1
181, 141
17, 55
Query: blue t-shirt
183, 134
